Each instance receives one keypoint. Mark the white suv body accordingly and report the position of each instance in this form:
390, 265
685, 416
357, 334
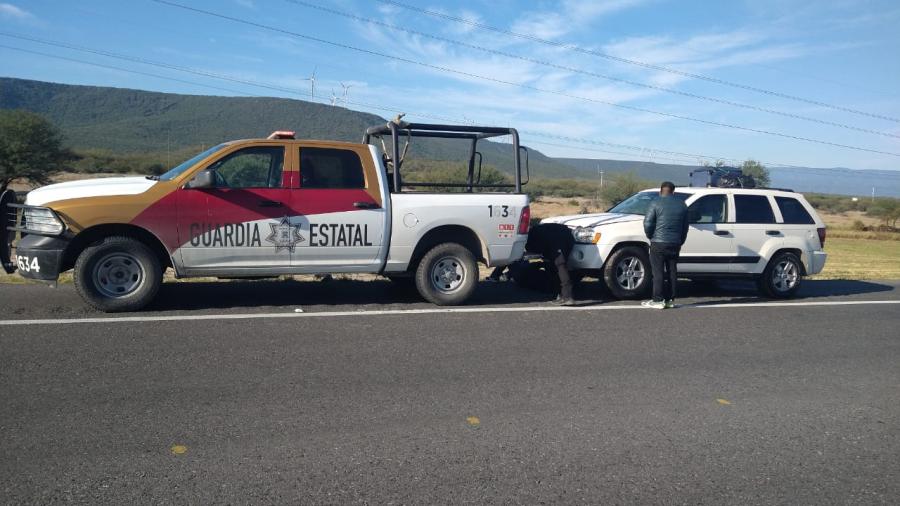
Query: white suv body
774, 236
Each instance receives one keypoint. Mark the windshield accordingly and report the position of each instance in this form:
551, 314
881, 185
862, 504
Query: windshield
639, 202
187, 164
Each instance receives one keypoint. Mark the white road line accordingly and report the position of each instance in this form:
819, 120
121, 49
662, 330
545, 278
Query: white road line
435, 310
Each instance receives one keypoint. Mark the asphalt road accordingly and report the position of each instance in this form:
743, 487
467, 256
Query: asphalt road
352, 401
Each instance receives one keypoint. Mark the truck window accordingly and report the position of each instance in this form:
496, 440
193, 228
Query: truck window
331, 168
258, 167
709, 209
793, 211
753, 209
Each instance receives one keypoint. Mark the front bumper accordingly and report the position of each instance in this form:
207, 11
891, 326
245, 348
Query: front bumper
40, 257
589, 256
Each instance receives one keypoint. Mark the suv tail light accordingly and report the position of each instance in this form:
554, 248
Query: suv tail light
822, 235
525, 220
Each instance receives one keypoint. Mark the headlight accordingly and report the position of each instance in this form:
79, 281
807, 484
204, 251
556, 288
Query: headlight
586, 235
40, 220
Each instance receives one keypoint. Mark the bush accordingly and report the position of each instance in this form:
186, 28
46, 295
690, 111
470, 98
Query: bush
622, 187
858, 225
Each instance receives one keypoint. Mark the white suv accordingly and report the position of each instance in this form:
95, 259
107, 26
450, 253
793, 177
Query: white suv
772, 236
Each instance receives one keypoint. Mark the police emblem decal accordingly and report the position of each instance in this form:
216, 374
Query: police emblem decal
284, 235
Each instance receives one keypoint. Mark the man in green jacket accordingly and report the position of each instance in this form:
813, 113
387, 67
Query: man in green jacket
666, 225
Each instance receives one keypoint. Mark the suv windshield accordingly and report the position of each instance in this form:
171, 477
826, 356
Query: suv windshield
639, 202
187, 164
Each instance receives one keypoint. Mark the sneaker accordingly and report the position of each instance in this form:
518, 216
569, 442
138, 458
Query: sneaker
654, 304
559, 301
670, 304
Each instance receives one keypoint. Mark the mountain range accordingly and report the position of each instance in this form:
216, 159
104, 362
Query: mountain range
134, 122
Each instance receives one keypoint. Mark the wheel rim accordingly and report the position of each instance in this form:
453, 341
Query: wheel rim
448, 274
630, 273
118, 275
785, 275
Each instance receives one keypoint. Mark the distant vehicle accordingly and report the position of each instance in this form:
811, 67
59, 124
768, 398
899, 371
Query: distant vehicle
771, 236
266, 207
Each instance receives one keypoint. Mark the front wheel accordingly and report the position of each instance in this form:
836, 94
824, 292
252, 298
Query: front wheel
782, 277
118, 274
447, 274
627, 272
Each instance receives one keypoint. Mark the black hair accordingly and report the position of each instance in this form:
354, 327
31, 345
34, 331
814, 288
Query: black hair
668, 184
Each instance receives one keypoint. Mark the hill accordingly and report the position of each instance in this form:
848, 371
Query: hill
143, 124
132, 130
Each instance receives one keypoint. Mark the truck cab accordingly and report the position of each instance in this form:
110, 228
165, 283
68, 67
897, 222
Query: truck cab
269, 207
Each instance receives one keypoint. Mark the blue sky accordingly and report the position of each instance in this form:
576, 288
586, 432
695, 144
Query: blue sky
841, 53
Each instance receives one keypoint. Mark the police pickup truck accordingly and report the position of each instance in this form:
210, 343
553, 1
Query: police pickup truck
268, 207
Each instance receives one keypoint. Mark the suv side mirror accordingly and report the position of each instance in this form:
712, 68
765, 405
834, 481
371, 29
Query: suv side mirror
203, 179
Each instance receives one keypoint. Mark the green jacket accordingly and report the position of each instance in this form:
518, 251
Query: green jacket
666, 221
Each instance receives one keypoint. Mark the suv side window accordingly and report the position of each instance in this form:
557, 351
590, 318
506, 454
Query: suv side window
753, 209
331, 168
257, 167
793, 211
709, 209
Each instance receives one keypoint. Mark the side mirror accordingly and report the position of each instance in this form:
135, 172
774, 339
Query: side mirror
203, 179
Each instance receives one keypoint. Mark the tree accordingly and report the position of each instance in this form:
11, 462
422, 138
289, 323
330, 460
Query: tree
622, 187
30, 148
886, 209
759, 172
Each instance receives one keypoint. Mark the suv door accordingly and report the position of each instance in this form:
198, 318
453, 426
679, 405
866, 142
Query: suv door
243, 221
341, 211
709, 247
756, 233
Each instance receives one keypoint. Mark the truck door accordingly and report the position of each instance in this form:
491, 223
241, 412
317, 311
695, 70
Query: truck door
244, 221
710, 243
341, 210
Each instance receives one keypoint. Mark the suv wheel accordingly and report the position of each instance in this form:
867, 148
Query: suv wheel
782, 276
627, 272
118, 274
447, 274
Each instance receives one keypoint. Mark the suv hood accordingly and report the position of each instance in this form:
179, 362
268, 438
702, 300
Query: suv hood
594, 220
100, 187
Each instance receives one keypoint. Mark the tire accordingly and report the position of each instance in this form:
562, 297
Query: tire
118, 274
447, 275
627, 273
782, 277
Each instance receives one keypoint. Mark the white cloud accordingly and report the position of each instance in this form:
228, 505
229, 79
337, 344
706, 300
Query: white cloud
11, 11
570, 16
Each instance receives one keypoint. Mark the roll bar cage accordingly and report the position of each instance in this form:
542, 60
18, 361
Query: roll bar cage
397, 128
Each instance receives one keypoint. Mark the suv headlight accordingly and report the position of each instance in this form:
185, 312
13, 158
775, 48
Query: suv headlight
41, 220
586, 235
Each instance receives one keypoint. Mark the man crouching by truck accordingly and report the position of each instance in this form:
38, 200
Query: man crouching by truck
666, 225
554, 242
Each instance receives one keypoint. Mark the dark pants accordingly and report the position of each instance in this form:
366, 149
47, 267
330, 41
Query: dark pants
664, 261
562, 271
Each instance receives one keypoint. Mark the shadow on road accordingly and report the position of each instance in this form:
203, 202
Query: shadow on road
250, 294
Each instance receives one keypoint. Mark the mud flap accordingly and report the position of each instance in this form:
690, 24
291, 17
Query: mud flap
7, 230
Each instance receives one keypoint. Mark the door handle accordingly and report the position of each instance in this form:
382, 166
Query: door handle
721, 232
270, 203
772, 232
365, 205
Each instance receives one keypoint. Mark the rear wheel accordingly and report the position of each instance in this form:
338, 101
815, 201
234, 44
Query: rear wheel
447, 274
118, 274
627, 272
782, 277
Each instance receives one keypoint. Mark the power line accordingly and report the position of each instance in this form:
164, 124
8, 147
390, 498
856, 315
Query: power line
660, 68
122, 69
589, 73
524, 86
393, 110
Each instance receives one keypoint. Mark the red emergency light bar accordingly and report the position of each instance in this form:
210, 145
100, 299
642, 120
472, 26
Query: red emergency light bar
281, 134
